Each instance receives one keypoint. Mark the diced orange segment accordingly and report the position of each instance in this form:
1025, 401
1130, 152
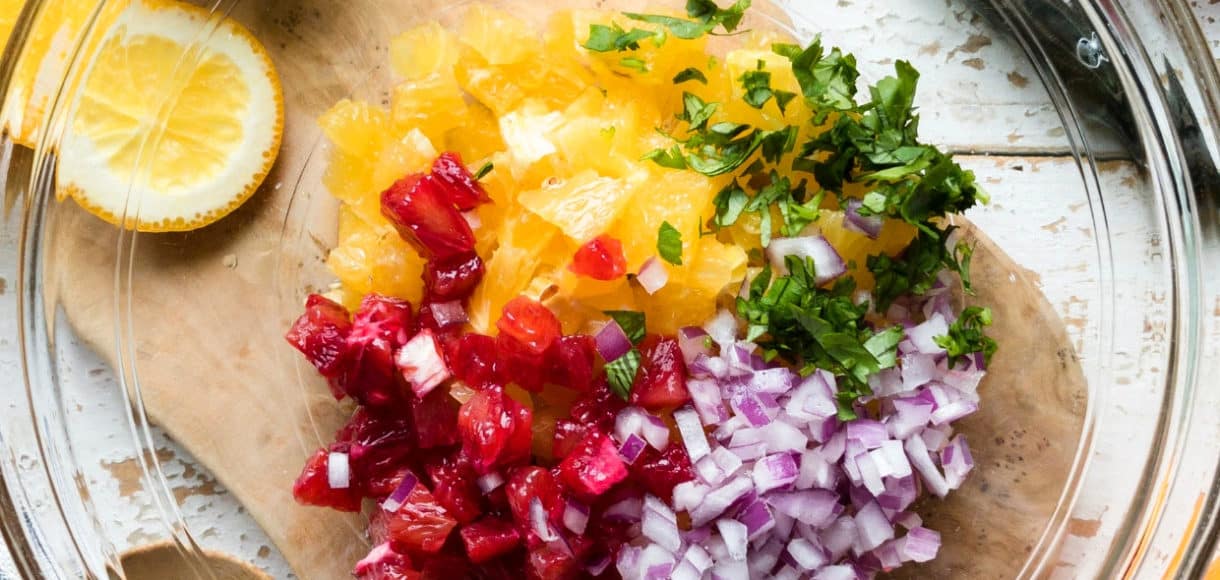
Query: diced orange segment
581, 206
424, 51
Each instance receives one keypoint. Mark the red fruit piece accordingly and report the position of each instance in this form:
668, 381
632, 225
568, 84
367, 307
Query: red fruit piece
473, 360
527, 483
383, 563
662, 379
421, 363
520, 365
529, 323
379, 445
568, 435
423, 217
436, 418
659, 472
489, 538
521, 439
453, 278
312, 487
463, 190
421, 524
551, 563
485, 425
593, 467
598, 408
379, 328
320, 334
601, 259
453, 484
571, 362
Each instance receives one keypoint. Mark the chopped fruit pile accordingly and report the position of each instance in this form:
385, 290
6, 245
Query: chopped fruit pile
547, 379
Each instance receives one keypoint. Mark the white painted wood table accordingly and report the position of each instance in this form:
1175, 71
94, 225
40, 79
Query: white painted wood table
957, 56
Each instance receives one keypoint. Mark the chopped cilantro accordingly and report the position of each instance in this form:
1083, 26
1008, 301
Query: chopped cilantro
696, 112
634, 63
757, 85
669, 244
708, 12
632, 323
621, 373
484, 170
671, 158
604, 38
915, 271
966, 336
690, 74
679, 27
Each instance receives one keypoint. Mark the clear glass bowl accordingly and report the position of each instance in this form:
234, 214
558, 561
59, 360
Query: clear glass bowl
1093, 124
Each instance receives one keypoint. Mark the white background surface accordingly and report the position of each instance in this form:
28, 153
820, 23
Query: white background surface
953, 115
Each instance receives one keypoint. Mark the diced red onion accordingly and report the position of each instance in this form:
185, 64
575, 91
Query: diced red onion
816, 472
421, 363
886, 383
786, 573
869, 474
900, 493
735, 535
628, 561
653, 504
953, 411
729, 569
709, 471
575, 516
598, 565
816, 507
887, 555
400, 493
869, 433
923, 335
718, 500
611, 341
956, 460
489, 482
935, 438
631, 448
698, 557
839, 537
472, 219
750, 452
538, 522
806, 555
776, 381
705, 395
979, 361
685, 571
812, 399
852, 220
763, 560
689, 494
722, 328
728, 462
910, 416
917, 370
774, 472
757, 518
782, 436
448, 314
628, 422
836, 572
653, 276
692, 433
749, 405
626, 510
655, 563
872, 527
709, 366
693, 341
662, 530
917, 451
919, 545
655, 432
783, 526
896, 457
965, 382
908, 520
338, 470
827, 263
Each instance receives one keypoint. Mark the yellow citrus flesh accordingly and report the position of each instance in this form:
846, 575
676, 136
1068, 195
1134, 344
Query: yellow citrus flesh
168, 135
566, 129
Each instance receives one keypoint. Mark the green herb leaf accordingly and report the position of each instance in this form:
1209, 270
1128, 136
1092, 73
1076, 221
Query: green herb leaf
484, 170
730, 202
634, 63
669, 244
696, 112
671, 158
632, 323
690, 74
915, 271
757, 86
966, 336
611, 38
684, 29
621, 372
884, 346
707, 11
782, 98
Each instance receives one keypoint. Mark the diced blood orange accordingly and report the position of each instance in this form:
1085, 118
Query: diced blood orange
530, 323
453, 278
420, 525
435, 417
601, 259
321, 333
662, 379
520, 440
380, 327
659, 471
379, 445
593, 467
463, 190
383, 563
571, 362
417, 208
551, 563
486, 425
473, 360
519, 364
568, 435
454, 485
599, 407
312, 487
489, 538
530, 482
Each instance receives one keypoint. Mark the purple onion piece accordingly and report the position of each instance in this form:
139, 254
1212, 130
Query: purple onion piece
852, 220
612, 342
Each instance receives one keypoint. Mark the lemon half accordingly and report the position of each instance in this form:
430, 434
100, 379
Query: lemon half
173, 130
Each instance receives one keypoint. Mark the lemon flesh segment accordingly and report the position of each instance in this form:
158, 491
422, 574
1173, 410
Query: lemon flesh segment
171, 132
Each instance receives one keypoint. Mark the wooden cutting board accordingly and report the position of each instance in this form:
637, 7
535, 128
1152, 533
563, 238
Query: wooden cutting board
208, 310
